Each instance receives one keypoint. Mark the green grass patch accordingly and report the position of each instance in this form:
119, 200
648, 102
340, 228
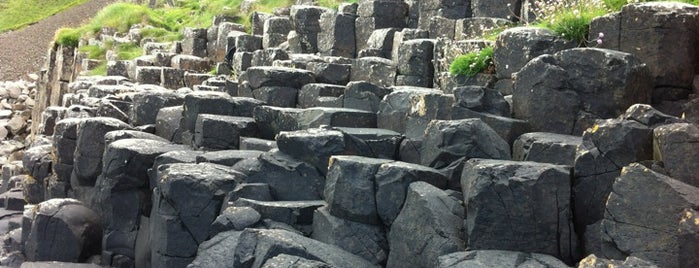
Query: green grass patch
616, 5
15, 14
100, 69
472, 63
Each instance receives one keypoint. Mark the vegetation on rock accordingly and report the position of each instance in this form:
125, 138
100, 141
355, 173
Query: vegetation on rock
472, 63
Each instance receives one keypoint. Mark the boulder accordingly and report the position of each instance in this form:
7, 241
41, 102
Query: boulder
375, 70
167, 123
267, 76
123, 190
90, 147
428, 226
391, 183
558, 93
289, 179
336, 117
545, 147
272, 120
314, 94
227, 157
364, 96
63, 230
448, 140
676, 146
297, 214
481, 99
515, 47
349, 188
234, 218
275, 31
498, 258
337, 36
186, 201
642, 216
396, 106
147, 104
364, 240
219, 132
533, 213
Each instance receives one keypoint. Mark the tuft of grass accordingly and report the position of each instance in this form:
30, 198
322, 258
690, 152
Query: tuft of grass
100, 69
569, 19
94, 51
472, 63
128, 51
15, 14
68, 37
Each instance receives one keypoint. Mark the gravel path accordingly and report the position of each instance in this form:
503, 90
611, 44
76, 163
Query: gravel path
24, 51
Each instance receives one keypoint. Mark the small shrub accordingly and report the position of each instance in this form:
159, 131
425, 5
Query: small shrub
472, 63
68, 37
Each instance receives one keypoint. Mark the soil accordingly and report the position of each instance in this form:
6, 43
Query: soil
23, 52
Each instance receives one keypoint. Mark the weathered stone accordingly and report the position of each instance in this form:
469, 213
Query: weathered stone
349, 189
255, 247
642, 215
123, 190
276, 30
272, 120
186, 202
364, 96
675, 145
227, 157
533, 213
221, 131
498, 258
191, 63
375, 70
146, 105
383, 143
515, 47
392, 180
335, 117
580, 95
288, 178
90, 146
546, 148
428, 226
249, 143
396, 106
477, 27
276, 96
298, 214
309, 95
217, 103
337, 36
258, 77
234, 218
194, 42
593, 261
63, 230
364, 240
507, 128
481, 99
415, 58
167, 123
449, 140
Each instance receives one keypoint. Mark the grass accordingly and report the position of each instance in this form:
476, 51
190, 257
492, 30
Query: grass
616, 5
15, 14
472, 63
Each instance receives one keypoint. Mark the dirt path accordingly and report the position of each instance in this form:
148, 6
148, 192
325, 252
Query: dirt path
24, 51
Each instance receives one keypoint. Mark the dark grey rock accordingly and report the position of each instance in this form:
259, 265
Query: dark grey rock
676, 145
271, 120
364, 240
415, 58
546, 148
448, 140
375, 70
248, 43
379, 44
265, 76
649, 116
391, 186
580, 95
49, 117
227, 157
276, 96
309, 95
252, 191
642, 215
478, 26
123, 190
410, 151
217, 103
428, 226
298, 214
516, 46
688, 238
187, 200
593, 261
383, 143
90, 146
234, 218
146, 105
363, 95
219, 132
63, 230
37, 161
194, 42
349, 188
522, 219
289, 261
267, 57
288, 179
167, 123
116, 135
337, 36
275, 31
254, 247
335, 117
396, 106
481, 99
248, 143
331, 73
498, 258
507, 128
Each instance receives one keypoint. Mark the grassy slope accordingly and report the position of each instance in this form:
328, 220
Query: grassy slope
15, 14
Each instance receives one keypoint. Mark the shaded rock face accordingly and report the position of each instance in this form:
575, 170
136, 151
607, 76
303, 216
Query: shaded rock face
498, 258
521, 220
644, 224
63, 230
564, 92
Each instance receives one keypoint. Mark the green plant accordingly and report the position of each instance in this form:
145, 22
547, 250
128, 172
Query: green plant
128, 51
472, 63
569, 19
68, 37
94, 51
